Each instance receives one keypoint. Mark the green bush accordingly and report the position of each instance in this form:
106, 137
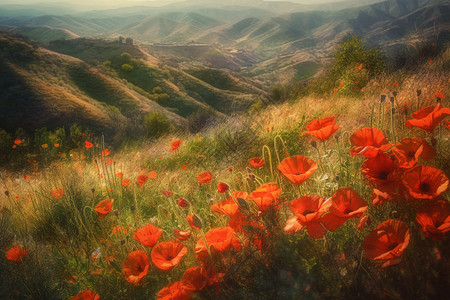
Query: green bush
278, 94
127, 68
351, 53
156, 124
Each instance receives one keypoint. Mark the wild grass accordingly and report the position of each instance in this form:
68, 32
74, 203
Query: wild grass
71, 249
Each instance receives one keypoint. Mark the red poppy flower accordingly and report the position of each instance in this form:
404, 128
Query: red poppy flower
204, 177
88, 145
425, 182
346, 204
86, 295
182, 235
434, 217
308, 210
183, 202
194, 221
220, 239
119, 174
152, 175
142, 179
322, 129
297, 168
174, 291
439, 95
383, 193
16, 254
175, 145
228, 207
105, 152
257, 162
387, 242
17, 142
194, 279
408, 150
125, 182
104, 207
58, 193
364, 222
167, 255
368, 142
222, 187
148, 235
429, 117
378, 169
240, 222
167, 193
135, 267
266, 196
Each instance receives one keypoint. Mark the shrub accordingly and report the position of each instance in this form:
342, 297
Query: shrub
156, 124
351, 52
278, 94
127, 68
200, 119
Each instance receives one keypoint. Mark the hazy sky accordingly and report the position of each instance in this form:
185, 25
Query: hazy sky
117, 3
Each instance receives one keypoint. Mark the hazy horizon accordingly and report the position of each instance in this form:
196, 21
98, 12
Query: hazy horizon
94, 4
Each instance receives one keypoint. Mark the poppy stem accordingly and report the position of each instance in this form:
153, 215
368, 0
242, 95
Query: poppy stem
265, 147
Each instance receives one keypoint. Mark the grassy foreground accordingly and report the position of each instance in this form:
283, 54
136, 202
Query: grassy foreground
363, 213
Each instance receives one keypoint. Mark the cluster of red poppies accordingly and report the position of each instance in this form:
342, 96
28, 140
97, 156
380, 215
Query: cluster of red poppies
392, 172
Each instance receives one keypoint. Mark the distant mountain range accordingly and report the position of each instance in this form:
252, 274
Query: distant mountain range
219, 55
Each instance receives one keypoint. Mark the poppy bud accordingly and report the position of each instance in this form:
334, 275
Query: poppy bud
337, 178
383, 98
230, 169
132, 208
195, 221
419, 92
164, 212
122, 242
394, 93
222, 187
183, 203
251, 177
116, 212
392, 99
314, 144
393, 110
93, 190
243, 204
7, 193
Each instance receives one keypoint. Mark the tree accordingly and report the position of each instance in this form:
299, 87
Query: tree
121, 39
129, 41
352, 53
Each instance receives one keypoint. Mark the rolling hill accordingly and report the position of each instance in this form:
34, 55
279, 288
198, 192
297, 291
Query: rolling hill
46, 88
